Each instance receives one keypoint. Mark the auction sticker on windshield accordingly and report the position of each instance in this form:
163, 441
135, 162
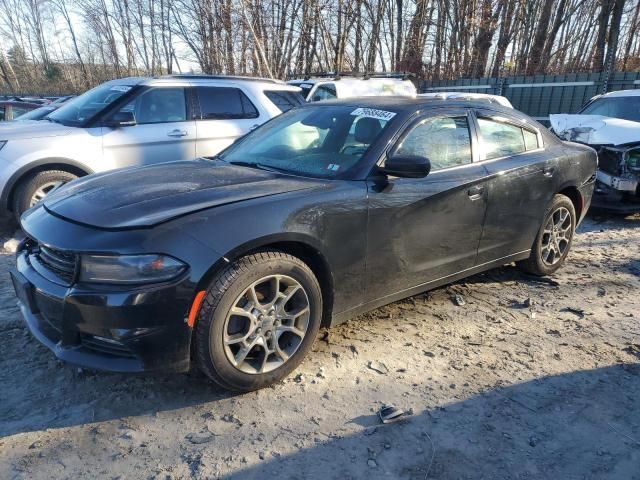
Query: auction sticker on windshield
373, 113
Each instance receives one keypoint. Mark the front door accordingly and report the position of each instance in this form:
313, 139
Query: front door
425, 229
163, 131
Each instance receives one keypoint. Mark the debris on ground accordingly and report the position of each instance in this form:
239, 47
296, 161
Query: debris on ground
378, 366
390, 413
633, 349
576, 311
11, 245
458, 300
199, 438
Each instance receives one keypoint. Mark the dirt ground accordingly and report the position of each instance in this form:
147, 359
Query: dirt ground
524, 379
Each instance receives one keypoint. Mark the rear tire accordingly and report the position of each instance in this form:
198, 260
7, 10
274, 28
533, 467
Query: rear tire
553, 242
259, 319
34, 188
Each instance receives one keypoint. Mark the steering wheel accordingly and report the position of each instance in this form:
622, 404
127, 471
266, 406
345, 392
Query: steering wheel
355, 150
280, 151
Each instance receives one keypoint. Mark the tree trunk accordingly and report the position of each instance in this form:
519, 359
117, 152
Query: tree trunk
535, 65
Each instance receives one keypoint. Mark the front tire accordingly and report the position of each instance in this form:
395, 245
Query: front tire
259, 319
34, 188
553, 242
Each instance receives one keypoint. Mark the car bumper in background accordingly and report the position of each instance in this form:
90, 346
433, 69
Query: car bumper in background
135, 330
610, 199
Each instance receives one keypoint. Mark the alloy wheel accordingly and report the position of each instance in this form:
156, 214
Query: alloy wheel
267, 324
42, 192
556, 236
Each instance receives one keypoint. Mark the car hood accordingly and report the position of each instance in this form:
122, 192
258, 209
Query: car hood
595, 129
32, 129
146, 196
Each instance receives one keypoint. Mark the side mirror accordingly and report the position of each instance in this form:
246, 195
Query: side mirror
408, 166
121, 119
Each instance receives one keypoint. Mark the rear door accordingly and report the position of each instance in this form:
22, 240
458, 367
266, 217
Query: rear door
425, 229
520, 184
164, 130
225, 114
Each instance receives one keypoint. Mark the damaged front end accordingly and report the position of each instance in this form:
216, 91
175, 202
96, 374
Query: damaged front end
617, 142
618, 178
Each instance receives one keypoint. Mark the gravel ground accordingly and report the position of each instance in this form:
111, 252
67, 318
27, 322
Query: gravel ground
524, 378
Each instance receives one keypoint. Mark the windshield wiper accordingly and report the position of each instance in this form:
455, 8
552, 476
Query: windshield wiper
260, 166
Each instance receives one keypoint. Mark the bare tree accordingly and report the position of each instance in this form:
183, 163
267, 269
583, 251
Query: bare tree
74, 44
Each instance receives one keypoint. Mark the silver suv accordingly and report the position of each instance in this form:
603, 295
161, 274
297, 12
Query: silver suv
133, 121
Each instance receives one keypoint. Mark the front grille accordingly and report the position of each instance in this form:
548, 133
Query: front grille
105, 346
62, 264
50, 308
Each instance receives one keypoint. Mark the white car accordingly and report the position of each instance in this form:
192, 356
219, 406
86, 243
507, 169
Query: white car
133, 121
610, 123
327, 88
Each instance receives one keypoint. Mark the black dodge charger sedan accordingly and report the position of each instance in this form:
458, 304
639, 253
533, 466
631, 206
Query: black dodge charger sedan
233, 263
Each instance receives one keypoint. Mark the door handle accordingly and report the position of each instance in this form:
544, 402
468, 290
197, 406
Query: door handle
177, 133
475, 192
253, 127
548, 171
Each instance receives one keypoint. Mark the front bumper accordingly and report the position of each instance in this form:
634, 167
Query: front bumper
107, 328
610, 199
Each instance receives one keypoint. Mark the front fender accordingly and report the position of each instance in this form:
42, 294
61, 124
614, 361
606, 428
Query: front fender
53, 163
330, 221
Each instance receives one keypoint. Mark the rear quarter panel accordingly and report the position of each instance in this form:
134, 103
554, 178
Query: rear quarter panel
579, 171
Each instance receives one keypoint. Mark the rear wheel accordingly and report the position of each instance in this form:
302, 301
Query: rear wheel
259, 319
554, 238
34, 188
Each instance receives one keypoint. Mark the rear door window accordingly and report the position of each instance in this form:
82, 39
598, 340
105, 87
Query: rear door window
285, 101
224, 103
500, 139
530, 139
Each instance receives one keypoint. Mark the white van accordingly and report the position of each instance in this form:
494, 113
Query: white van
325, 88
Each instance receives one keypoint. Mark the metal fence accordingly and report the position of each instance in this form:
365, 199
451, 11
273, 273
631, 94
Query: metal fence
540, 95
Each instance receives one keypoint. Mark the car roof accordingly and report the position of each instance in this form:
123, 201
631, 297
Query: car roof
347, 80
195, 79
20, 104
196, 76
623, 93
499, 99
408, 103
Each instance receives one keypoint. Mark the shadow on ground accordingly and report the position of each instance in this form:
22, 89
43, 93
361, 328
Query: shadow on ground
577, 425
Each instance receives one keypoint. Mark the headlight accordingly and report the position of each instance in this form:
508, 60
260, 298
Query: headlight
129, 268
633, 160
2, 143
